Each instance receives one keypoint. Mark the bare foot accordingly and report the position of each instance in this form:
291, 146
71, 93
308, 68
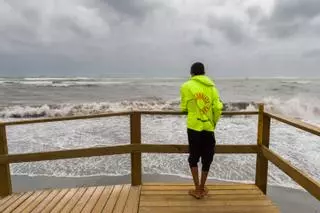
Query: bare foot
195, 193
204, 191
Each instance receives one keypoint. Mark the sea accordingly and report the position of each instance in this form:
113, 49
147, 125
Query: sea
30, 98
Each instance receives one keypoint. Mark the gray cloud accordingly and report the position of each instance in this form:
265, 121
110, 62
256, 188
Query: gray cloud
290, 17
134, 8
137, 10
199, 40
311, 54
157, 37
67, 24
231, 28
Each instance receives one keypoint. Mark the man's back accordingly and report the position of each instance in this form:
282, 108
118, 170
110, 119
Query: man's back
200, 98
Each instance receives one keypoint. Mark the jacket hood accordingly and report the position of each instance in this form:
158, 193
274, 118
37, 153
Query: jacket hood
203, 80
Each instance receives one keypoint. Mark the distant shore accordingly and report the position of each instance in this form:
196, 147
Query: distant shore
287, 199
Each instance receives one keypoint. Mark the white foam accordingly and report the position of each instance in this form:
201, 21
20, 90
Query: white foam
296, 81
84, 109
301, 107
56, 79
65, 82
38, 83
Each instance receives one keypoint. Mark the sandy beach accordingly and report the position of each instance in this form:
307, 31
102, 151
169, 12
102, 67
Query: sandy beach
287, 199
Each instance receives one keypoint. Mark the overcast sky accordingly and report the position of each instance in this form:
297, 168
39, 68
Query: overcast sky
234, 38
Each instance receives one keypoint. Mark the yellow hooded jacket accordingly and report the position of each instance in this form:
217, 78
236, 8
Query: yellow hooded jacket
200, 99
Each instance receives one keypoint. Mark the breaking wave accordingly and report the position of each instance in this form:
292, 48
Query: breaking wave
62, 82
294, 107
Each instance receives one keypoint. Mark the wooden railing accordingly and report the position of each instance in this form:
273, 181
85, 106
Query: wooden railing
135, 148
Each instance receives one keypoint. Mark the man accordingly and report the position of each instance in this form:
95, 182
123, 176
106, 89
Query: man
200, 99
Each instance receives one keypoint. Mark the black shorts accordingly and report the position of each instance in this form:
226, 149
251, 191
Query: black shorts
201, 144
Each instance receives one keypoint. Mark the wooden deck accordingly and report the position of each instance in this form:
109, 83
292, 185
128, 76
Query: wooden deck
153, 198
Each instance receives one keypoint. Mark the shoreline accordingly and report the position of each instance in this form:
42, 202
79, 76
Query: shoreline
288, 200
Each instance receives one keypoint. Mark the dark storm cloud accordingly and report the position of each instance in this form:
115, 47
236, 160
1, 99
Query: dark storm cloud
82, 37
290, 17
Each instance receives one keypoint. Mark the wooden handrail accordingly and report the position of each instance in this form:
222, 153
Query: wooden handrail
296, 123
69, 118
121, 149
308, 183
225, 113
135, 148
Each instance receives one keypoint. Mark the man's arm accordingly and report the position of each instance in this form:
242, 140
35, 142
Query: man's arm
183, 96
217, 106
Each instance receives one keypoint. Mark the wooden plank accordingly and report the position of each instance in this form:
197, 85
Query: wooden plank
36, 202
261, 179
112, 199
93, 200
84, 199
230, 113
206, 203
5, 178
73, 201
122, 199
216, 209
103, 199
211, 187
177, 148
52, 204
135, 134
24, 204
222, 184
47, 120
14, 198
211, 192
121, 149
5, 199
304, 180
296, 123
186, 197
65, 154
132, 204
59, 204
46, 201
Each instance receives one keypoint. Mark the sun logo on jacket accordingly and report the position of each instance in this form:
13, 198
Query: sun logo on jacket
203, 102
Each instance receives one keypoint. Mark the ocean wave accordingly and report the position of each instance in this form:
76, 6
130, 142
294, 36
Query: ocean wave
297, 107
294, 107
58, 110
56, 82
57, 79
296, 81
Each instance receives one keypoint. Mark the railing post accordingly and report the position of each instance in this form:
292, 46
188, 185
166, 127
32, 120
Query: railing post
263, 139
5, 178
135, 127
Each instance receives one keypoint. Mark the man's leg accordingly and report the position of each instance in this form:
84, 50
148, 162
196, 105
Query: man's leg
206, 158
195, 176
194, 156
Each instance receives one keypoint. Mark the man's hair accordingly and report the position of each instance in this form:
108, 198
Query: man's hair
197, 69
